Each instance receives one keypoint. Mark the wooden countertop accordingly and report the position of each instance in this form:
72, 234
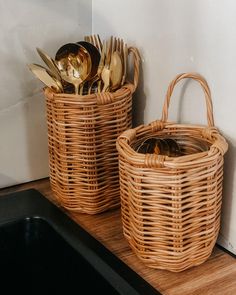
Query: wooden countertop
216, 276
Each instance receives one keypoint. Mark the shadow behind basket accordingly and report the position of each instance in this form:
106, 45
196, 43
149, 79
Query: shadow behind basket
171, 206
82, 133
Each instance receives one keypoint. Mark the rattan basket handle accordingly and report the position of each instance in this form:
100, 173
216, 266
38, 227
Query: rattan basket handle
205, 88
136, 61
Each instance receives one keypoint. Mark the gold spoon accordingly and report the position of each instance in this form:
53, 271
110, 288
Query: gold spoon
74, 63
116, 69
95, 58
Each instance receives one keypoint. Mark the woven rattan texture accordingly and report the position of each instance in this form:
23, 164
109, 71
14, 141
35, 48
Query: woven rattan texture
171, 206
82, 133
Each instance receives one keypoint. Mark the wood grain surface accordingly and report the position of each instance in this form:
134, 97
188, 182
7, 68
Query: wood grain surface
216, 276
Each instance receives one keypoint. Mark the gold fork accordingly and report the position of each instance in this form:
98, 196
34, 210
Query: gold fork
95, 40
105, 75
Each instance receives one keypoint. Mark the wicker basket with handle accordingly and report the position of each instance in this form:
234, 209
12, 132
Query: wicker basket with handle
171, 206
82, 133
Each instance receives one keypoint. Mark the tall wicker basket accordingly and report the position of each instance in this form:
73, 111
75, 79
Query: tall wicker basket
171, 206
82, 133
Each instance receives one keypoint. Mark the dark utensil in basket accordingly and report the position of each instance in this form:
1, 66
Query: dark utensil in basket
172, 146
161, 146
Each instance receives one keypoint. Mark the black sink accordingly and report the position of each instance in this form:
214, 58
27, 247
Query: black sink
42, 251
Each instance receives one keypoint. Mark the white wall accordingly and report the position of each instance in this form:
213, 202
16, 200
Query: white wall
25, 25
180, 36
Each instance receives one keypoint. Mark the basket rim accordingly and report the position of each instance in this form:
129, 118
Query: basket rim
126, 89
218, 147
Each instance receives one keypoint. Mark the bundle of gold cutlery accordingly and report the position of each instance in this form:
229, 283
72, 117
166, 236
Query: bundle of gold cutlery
85, 67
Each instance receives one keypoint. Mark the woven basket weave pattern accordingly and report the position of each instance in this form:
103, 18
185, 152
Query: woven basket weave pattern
171, 205
82, 133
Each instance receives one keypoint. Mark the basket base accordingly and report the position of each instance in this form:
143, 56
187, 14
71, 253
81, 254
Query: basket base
175, 261
93, 204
